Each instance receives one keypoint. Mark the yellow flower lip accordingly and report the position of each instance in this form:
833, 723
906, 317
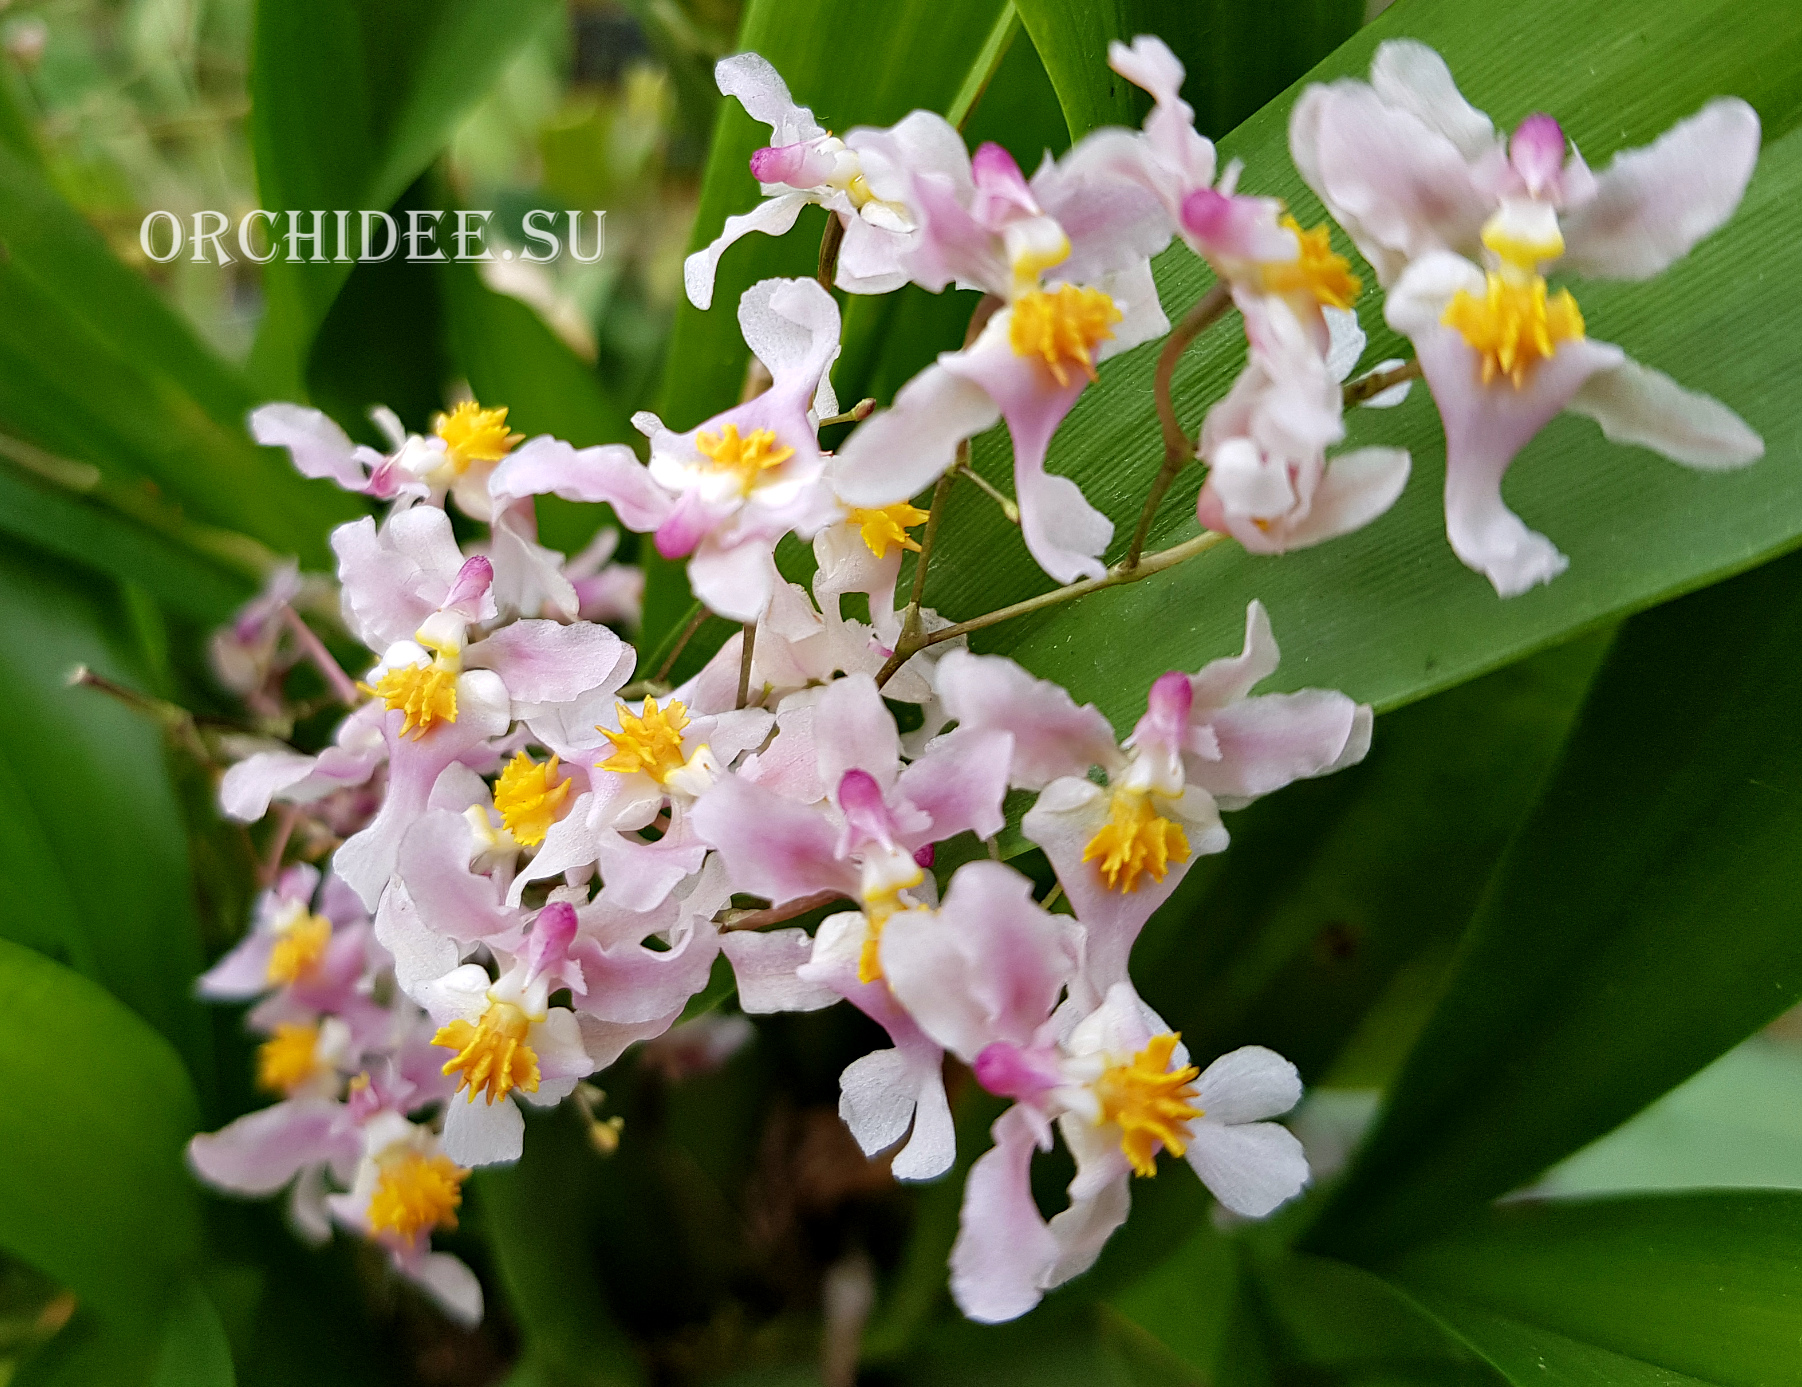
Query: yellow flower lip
888, 526
289, 1058
747, 457
298, 947
415, 1193
492, 1055
472, 434
1062, 327
1515, 325
650, 742
1316, 271
1135, 841
529, 796
1150, 1102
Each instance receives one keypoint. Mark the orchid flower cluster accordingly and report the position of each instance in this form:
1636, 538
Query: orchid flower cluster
540, 857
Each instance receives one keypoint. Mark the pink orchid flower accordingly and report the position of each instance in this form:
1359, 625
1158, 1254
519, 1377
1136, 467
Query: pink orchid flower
853, 822
1205, 744
803, 164
1069, 257
722, 494
982, 976
403, 1188
1427, 189
1270, 484
504, 1037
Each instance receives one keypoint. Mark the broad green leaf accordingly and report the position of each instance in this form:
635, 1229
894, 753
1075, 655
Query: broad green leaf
193, 1352
545, 1263
93, 860
350, 101
1733, 1125
1654, 1290
1643, 921
98, 537
92, 1191
1388, 614
1237, 56
94, 367
1330, 888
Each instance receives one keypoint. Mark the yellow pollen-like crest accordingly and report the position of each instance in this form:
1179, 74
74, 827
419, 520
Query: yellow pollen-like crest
415, 1193
1150, 1102
473, 434
1135, 840
889, 525
426, 693
748, 457
1317, 271
528, 796
1062, 327
492, 1055
1515, 324
298, 949
288, 1058
650, 742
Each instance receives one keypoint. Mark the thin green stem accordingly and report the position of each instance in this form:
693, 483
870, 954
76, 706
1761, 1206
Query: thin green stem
1179, 448
1009, 507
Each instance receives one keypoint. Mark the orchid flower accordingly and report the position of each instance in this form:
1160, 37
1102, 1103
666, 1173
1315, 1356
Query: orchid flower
409, 592
456, 457
982, 976
653, 762
804, 163
1069, 258
1205, 744
505, 1037
1270, 484
722, 494
851, 821
1427, 189
405, 1186
315, 956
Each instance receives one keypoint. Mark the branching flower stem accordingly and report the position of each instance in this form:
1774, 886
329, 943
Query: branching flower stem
994, 493
314, 649
775, 914
912, 644
1179, 448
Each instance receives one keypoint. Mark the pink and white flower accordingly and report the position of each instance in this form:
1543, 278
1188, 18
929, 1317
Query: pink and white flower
803, 164
982, 976
1427, 188
1069, 258
1205, 744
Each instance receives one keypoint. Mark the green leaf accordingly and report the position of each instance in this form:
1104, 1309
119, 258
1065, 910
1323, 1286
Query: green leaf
1643, 921
92, 1191
1653, 1290
93, 859
545, 1262
1330, 888
194, 1352
94, 367
350, 101
1388, 614
1237, 56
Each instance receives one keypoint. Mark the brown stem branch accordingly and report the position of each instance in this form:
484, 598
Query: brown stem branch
1179, 448
745, 657
775, 914
1374, 384
830, 241
908, 647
